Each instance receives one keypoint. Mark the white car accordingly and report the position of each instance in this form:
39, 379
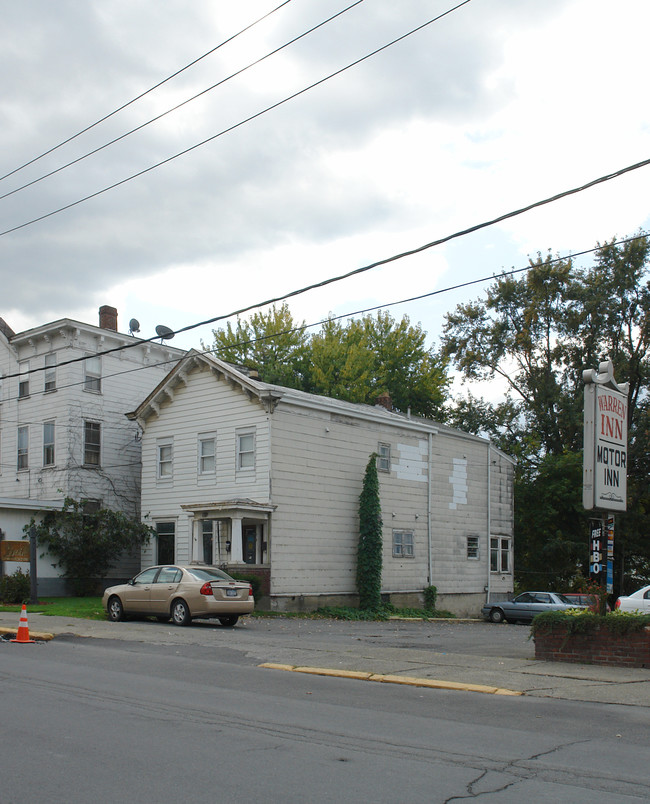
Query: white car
639, 601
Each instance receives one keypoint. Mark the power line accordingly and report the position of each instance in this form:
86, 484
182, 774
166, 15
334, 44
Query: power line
141, 95
234, 126
180, 105
371, 266
303, 327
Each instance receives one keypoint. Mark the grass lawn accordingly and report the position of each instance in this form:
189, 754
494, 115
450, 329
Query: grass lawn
85, 608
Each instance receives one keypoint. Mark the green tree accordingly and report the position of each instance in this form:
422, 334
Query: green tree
273, 343
87, 544
369, 555
536, 335
342, 366
366, 357
356, 361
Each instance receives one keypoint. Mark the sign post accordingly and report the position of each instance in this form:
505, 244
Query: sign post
33, 580
604, 486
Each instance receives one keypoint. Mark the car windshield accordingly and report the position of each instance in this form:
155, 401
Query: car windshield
564, 599
208, 574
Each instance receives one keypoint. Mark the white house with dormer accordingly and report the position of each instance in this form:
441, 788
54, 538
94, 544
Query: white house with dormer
64, 390
264, 479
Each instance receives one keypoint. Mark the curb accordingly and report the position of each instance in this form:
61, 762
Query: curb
392, 679
33, 634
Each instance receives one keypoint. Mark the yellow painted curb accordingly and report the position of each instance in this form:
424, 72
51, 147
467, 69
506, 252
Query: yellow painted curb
392, 679
32, 634
323, 671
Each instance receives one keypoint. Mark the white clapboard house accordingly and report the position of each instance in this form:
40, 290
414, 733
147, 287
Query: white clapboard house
65, 388
265, 480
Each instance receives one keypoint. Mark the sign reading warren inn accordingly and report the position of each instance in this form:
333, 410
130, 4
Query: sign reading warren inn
605, 447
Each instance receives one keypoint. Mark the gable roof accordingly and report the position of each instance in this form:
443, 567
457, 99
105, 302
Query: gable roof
271, 395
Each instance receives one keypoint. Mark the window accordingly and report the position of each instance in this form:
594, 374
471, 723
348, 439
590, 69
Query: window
207, 455
92, 443
50, 372
383, 458
48, 443
23, 380
169, 575
165, 547
499, 554
403, 544
146, 576
165, 457
93, 374
23, 447
245, 451
472, 547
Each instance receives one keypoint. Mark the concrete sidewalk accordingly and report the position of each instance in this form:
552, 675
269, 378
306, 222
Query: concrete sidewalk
269, 643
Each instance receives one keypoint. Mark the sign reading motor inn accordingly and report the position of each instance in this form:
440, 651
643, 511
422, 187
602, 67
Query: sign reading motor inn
605, 442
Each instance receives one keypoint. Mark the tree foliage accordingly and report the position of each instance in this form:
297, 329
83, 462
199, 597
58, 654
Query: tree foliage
271, 342
356, 361
369, 555
87, 544
536, 335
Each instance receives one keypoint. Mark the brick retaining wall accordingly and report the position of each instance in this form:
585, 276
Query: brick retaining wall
600, 647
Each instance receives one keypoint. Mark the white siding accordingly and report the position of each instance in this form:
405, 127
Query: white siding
311, 458
127, 377
206, 405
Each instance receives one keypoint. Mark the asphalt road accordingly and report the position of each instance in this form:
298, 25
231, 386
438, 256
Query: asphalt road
180, 716
453, 652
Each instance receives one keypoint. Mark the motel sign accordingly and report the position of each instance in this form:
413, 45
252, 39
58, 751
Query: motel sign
605, 443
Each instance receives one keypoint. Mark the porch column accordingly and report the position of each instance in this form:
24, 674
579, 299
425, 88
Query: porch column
236, 545
194, 538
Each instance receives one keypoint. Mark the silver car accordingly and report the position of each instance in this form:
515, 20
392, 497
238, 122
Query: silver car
525, 606
180, 593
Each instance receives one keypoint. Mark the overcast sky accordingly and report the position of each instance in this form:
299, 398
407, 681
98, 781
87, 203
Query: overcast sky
496, 105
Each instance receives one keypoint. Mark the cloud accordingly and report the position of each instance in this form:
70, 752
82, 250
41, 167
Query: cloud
494, 106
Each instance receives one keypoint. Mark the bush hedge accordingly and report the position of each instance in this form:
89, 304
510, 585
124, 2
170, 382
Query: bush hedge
15, 588
580, 621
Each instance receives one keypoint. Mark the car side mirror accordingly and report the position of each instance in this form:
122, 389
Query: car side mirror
132, 582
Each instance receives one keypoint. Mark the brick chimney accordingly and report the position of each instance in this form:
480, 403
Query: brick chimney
108, 318
384, 401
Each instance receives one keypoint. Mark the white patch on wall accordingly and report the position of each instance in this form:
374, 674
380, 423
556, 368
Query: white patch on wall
412, 462
458, 480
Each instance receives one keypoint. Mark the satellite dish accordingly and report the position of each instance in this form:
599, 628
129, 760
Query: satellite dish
164, 333
134, 325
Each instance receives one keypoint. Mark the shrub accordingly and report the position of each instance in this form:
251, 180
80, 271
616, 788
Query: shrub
583, 621
85, 544
430, 594
369, 554
15, 588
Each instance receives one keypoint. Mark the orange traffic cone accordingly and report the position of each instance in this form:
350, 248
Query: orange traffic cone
23, 628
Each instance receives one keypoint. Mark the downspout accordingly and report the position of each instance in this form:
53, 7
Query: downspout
489, 517
429, 508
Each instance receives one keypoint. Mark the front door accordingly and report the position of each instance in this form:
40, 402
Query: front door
250, 544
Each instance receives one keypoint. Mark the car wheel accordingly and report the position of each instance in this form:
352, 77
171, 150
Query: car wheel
496, 616
180, 613
229, 621
115, 609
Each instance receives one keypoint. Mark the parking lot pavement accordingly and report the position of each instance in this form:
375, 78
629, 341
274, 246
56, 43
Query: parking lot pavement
497, 657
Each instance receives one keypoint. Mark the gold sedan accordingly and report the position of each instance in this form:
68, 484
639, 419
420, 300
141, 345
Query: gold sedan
182, 594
